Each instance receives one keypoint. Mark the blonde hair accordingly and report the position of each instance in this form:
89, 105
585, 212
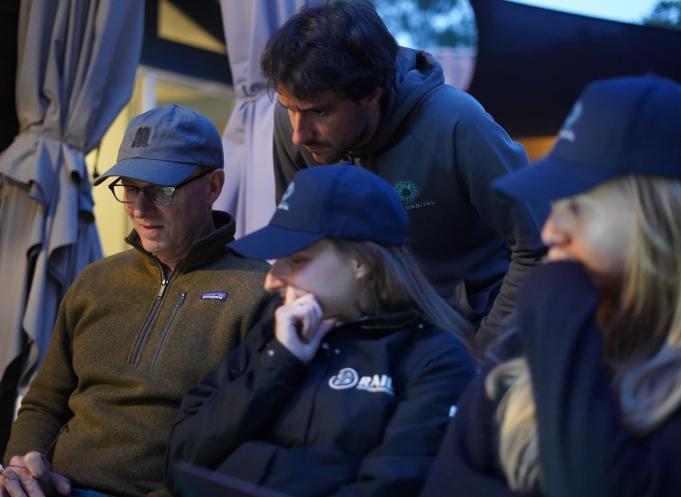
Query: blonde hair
641, 328
394, 282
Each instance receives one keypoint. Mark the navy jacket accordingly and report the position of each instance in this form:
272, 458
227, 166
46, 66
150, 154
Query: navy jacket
364, 417
585, 449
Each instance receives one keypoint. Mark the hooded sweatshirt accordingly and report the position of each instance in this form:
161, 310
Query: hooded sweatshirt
440, 150
128, 343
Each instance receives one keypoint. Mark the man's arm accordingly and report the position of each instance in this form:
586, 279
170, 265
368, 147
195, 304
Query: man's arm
485, 152
44, 411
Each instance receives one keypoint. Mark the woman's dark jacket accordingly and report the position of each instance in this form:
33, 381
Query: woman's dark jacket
365, 417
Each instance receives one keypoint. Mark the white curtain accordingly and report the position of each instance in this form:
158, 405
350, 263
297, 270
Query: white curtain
249, 188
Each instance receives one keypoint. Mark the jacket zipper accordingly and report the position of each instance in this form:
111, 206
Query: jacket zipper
147, 324
162, 340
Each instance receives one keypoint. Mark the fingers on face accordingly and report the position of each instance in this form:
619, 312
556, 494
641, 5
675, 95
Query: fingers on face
293, 294
307, 311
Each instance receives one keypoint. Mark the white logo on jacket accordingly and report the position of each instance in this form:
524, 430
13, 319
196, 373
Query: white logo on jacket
348, 378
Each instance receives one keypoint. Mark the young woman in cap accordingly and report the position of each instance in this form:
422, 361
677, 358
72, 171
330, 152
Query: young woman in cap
349, 391
591, 406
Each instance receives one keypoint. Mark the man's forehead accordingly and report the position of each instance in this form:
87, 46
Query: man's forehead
323, 99
136, 182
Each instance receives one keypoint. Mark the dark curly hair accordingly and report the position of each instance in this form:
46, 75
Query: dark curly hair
343, 47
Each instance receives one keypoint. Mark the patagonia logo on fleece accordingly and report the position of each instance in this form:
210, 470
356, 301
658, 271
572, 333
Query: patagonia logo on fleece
214, 296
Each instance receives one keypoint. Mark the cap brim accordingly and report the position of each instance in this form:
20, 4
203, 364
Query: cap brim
551, 179
273, 242
156, 172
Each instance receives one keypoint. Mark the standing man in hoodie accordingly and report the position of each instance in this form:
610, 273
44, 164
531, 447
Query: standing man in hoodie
348, 92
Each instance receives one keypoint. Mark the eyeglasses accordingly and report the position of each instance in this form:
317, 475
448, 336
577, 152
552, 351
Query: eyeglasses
157, 195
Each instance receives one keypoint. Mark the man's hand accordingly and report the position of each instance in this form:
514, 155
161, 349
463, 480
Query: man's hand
299, 324
31, 476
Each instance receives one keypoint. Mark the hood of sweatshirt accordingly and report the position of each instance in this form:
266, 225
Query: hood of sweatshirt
417, 74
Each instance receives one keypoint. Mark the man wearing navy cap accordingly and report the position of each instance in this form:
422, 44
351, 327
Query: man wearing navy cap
139, 328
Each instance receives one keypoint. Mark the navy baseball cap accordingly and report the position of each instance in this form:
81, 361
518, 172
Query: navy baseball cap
342, 201
165, 145
619, 126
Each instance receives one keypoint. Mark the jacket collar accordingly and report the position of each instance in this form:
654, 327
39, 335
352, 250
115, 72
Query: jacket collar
385, 323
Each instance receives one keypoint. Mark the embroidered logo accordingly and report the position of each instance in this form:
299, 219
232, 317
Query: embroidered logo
214, 296
283, 204
141, 137
566, 132
410, 193
348, 378
344, 379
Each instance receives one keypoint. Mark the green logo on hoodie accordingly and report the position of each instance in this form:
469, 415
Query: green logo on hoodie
408, 191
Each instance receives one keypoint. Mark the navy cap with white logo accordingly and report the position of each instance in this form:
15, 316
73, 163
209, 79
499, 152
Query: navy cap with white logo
342, 201
166, 145
618, 126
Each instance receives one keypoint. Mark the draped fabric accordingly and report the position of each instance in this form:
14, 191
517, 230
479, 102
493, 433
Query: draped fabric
249, 187
75, 71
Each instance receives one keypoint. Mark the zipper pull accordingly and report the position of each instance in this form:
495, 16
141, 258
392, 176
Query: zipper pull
162, 290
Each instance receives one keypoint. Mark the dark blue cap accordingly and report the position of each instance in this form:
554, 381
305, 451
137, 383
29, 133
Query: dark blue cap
165, 145
617, 127
342, 201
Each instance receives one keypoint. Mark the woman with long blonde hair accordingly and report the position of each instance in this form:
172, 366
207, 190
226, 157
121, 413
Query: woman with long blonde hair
585, 399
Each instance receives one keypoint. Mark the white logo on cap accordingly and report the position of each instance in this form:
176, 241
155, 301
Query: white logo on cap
283, 204
566, 132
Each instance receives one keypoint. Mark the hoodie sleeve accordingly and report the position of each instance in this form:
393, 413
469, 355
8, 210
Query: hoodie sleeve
485, 152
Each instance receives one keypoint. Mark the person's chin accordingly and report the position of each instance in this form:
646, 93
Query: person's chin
323, 155
153, 246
